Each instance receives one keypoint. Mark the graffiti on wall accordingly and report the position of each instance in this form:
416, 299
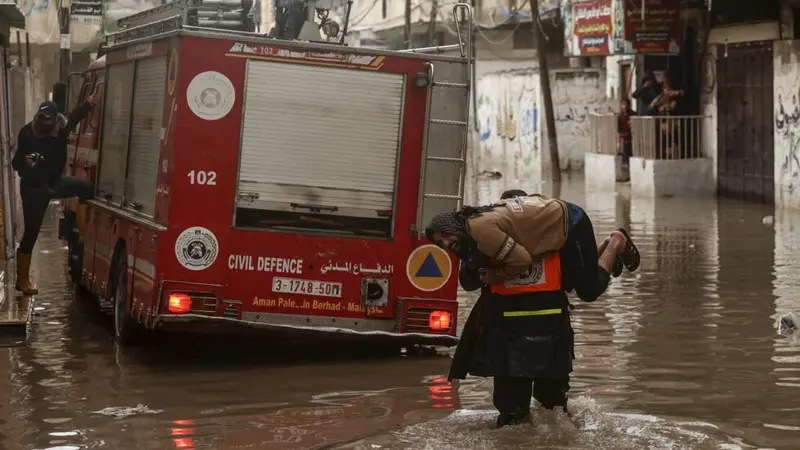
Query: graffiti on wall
41, 20
787, 117
509, 147
576, 94
508, 130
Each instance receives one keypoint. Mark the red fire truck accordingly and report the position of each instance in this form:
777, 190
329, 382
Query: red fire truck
245, 181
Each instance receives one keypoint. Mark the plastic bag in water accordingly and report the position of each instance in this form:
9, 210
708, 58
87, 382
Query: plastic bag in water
787, 324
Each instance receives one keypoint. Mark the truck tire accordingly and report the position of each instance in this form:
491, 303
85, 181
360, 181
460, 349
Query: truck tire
127, 331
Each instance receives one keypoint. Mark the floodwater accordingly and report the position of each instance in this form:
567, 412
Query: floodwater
683, 354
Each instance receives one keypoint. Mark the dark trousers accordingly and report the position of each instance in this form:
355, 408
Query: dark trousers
512, 395
627, 151
35, 200
589, 280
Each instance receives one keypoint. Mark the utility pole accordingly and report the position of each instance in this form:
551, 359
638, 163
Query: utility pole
65, 55
544, 81
408, 24
432, 24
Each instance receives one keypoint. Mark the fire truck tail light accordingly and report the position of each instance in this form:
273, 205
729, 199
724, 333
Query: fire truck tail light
439, 320
179, 303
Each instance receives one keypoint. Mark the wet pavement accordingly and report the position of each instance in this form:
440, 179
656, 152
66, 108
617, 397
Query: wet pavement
683, 354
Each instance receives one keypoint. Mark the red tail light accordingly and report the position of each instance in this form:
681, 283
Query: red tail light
439, 320
179, 303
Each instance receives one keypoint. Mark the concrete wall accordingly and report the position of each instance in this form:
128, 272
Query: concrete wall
41, 21
787, 123
510, 140
507, 152
671, 178
576, 94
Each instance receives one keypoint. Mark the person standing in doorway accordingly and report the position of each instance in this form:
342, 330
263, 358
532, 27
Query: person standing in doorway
40, 158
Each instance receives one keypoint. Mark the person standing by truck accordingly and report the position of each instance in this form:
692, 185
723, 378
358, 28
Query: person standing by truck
40, 158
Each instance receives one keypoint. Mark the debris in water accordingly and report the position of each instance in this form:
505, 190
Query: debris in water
787, 324
768, 220
120, 412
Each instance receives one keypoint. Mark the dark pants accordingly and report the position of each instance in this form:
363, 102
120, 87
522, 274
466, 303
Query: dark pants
35, 200
512, 395
627, 151
590, 280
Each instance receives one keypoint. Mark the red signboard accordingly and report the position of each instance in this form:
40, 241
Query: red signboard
592, 29
654, 30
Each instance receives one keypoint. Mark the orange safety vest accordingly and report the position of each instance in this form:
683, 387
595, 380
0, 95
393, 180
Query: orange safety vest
544, 276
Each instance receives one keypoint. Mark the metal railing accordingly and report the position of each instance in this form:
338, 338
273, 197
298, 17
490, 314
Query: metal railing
603, 133
667, 137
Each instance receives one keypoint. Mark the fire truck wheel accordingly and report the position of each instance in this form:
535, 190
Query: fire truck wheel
126, 330
413, 350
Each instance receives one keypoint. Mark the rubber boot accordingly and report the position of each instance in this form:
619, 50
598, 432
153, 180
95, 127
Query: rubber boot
81, 211
23, 274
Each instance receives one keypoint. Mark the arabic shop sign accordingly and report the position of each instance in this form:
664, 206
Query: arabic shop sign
86, 11
657, 30
607, 27
592, 29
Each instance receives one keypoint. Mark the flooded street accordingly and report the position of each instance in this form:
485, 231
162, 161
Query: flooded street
683, 354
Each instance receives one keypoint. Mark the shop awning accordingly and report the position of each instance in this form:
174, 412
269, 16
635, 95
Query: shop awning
10, 12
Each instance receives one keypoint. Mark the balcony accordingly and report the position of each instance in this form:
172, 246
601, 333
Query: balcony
668, 160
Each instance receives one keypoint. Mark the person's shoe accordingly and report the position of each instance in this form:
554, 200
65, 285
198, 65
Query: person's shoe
512, 419
24, 284
616, 269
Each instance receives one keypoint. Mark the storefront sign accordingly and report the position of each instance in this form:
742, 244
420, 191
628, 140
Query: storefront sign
86, 12
590, 29
657, 30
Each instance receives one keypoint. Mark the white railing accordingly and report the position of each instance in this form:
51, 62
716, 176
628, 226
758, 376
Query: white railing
603, 132
667, 137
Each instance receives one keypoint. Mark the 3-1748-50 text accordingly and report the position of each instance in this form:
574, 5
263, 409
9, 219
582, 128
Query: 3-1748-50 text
308, 287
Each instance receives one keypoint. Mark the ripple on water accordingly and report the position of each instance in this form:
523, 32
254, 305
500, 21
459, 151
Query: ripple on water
597, 428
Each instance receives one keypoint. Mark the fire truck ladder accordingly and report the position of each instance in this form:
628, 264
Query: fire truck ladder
442, 182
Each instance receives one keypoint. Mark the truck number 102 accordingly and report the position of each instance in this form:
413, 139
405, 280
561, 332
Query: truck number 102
202, 177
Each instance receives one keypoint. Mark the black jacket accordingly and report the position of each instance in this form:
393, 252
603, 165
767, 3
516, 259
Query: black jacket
492, 345
52, 146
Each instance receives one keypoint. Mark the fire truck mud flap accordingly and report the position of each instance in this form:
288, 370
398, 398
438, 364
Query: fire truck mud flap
164, 321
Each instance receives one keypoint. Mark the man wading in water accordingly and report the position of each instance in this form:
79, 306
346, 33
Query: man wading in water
40, 159
519, 331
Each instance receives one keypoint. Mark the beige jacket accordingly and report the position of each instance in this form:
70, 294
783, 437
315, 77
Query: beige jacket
520, 230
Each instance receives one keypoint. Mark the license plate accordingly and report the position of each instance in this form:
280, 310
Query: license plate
307, 287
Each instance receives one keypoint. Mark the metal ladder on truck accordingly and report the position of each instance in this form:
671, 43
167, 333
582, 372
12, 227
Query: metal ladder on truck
446, 131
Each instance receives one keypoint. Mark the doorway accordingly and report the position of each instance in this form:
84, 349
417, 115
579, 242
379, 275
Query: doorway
625, 80
745, 123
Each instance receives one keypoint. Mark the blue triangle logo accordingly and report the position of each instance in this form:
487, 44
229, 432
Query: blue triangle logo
429, 268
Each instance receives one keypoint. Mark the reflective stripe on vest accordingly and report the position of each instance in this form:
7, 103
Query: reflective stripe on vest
538, 312
544, 276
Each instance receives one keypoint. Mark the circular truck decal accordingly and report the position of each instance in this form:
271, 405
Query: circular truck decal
210, 95
429, 268
196, 248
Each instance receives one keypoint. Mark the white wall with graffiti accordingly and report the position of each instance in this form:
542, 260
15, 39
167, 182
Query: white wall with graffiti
41, 21
786, 91
509, 149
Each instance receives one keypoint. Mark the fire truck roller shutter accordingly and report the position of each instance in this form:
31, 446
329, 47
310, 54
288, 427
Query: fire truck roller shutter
321, 136
148, 107
116, 126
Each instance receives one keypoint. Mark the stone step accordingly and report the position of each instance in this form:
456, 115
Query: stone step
16, 310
